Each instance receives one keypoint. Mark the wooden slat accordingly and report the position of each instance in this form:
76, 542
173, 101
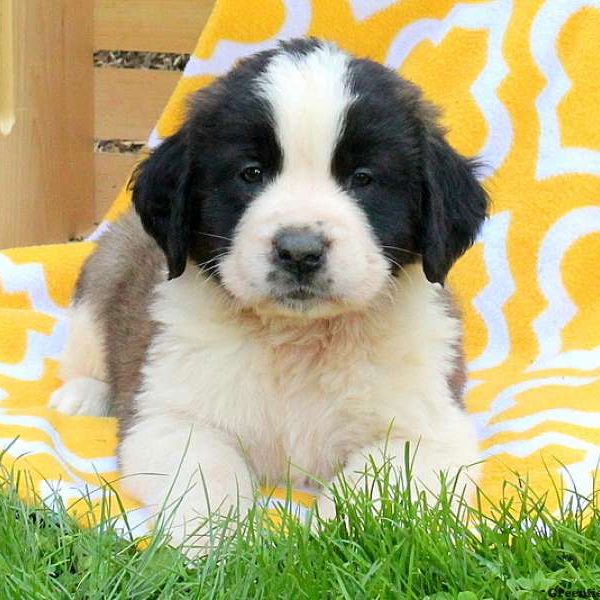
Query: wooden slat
128, 102
112, 171
151, 25
46, 166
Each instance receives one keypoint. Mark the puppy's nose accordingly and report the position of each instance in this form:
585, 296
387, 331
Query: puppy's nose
299, 250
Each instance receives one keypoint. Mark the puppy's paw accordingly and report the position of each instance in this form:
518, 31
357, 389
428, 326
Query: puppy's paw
323, 510
83, 396
197, 532
325, 507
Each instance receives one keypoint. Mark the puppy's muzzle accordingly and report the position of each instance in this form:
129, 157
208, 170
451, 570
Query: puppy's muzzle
299, 251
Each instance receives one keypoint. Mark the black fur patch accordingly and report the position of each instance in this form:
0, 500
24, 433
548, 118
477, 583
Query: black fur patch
382, 134
424, 200
189, 192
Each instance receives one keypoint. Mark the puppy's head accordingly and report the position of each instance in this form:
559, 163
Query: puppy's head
304, 179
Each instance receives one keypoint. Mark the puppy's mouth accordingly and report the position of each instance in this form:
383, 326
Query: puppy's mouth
300, 293
300, 297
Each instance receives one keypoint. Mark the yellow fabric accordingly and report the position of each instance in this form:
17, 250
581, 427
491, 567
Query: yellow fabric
517, 80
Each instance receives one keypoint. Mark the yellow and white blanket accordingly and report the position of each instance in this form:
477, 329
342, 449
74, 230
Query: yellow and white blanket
518, 82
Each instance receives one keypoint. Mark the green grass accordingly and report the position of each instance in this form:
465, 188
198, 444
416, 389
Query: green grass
405, 550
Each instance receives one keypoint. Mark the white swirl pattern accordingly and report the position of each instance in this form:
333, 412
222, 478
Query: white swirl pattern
553, 158
575, 225
493, 16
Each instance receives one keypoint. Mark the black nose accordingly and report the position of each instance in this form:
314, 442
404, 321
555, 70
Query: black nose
299, 250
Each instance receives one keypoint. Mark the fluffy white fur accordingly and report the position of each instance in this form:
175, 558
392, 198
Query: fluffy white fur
310, 90
232, 395
83, 368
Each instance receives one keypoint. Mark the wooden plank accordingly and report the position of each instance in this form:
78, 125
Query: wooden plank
150, 25
7, 67
46, 173
112, 171
128, 102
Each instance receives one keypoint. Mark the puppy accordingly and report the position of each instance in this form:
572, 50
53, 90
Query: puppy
273, 307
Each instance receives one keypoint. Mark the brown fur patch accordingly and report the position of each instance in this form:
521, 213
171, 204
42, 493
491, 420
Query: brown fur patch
458, 377
117, 282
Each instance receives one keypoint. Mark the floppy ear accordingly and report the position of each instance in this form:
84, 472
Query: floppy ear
160, 195
454, 206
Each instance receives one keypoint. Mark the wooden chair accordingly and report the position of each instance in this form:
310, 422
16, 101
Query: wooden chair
54, 182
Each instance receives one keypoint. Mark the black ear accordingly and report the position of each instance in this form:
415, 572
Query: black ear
160, 195
454, 206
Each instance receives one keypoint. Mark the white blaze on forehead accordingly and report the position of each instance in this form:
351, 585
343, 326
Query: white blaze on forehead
309, 95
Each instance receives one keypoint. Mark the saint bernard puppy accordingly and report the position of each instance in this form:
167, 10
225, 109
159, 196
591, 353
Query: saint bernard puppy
273, 310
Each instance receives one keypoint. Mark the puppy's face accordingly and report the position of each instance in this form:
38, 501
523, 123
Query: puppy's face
305, 179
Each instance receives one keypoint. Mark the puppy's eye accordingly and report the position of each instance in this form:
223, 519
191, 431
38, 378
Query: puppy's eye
252, 174
361, 178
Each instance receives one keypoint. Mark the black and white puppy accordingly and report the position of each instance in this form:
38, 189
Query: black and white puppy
275, 304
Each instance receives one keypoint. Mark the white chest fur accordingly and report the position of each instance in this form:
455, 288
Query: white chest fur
303, 393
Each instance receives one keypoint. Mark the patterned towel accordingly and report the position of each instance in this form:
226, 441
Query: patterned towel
518, 82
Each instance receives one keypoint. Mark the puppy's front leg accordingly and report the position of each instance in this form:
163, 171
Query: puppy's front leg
188, 470
428, 458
